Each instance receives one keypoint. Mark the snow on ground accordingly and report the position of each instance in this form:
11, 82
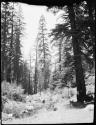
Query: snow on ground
62, 115
54, 107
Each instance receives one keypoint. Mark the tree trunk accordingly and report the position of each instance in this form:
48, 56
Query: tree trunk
4, 52
81, 89
92, 25
35, 83
44, 63
11, 49
36, 78
29, 89
60, 55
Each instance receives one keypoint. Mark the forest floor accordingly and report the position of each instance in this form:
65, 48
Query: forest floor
50, 107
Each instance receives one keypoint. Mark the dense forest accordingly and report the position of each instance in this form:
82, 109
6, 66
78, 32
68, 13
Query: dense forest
74, 40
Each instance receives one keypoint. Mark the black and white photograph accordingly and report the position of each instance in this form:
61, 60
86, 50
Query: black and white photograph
47, 62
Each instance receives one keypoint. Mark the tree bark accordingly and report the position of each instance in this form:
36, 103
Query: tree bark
29, 86
81, 89
36, 82
36, 78
11, 47
4, 53
44, 64
92, 25
45, 86
60, 55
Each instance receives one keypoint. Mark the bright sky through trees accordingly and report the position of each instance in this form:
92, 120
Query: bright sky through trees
31, 14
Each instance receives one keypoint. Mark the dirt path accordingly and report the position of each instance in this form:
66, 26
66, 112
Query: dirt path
61, 115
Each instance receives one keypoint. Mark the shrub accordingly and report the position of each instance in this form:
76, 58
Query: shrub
14, 108
12, 91
4, 100
5, 87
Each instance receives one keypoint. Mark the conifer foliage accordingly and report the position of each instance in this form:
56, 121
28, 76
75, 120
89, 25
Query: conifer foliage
11, 32
78, 31
43, 51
